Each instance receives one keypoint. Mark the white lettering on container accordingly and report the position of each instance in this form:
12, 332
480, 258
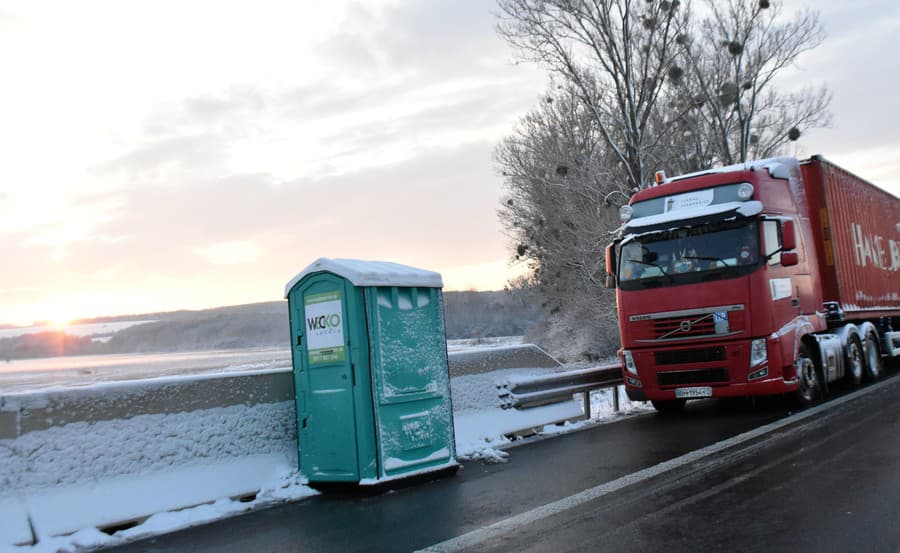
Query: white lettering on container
869, 249
895, 256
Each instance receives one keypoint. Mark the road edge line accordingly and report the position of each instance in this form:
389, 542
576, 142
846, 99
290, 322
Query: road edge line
505, 526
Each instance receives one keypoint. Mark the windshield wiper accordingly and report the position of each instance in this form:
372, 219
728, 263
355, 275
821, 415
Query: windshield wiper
661, 270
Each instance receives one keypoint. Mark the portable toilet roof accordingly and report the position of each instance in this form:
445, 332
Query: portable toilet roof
370, 273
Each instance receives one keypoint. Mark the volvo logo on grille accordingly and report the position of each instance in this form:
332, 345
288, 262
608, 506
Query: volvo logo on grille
685, 326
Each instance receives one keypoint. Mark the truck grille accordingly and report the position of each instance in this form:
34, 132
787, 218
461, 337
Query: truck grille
678, 357
672, 328
701, 376
690, 326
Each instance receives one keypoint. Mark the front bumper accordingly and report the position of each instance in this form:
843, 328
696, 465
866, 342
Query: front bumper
723, 367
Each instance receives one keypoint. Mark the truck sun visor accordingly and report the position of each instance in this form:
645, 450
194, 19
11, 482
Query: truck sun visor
700, 215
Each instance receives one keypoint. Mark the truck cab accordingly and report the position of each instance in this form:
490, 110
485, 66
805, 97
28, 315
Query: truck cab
715, 284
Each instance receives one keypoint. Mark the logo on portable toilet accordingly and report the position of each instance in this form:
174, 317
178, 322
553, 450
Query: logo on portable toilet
324, 327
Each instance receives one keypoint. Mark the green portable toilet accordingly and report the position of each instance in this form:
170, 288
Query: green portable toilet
370, 371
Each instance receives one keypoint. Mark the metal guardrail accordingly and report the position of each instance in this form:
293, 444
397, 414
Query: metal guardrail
524, 393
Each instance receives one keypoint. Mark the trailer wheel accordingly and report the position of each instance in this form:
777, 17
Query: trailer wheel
854, 357
810, 388
873, 359
669, 406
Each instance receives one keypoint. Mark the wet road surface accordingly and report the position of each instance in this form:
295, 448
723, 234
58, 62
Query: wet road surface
831, 483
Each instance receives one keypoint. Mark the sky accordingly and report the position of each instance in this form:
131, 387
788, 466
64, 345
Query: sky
181, 155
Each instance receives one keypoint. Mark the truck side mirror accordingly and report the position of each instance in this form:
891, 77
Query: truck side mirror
611, 259
789, 259
788, 237
610, 281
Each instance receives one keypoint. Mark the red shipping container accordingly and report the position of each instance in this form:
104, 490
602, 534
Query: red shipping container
857, 233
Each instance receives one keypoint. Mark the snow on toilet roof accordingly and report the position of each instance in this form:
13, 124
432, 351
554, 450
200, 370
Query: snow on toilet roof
371, 273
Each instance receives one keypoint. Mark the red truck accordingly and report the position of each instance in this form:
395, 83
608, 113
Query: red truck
770, 277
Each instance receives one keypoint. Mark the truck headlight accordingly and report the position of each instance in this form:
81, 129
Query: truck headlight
629, 362
758, 352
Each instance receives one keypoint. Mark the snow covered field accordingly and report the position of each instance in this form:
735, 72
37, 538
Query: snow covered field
23, 375
166, 471
100, 331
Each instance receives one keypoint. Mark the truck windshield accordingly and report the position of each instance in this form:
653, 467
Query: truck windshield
681, 256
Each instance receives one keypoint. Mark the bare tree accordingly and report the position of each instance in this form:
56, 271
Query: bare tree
730, 61
614, 53
561, 205
641, 86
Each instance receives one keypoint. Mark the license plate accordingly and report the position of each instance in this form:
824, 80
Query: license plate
699, 391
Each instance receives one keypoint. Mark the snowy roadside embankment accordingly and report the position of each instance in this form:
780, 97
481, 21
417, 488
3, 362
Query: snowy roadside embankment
116, 454
108, 463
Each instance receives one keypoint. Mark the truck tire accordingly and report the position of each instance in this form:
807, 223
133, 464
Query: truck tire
853, 356
669, 406
872, 359
810, 385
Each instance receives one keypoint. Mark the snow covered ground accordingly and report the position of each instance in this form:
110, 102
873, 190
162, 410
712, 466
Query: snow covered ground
163, 472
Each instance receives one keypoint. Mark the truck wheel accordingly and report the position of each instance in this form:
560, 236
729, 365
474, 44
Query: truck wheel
810, 388
669, 406
873, 359
853, 356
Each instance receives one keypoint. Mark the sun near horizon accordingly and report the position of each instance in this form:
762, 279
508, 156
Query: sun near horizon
62, 308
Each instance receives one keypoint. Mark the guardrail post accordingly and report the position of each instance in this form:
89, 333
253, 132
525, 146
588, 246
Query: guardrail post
587, 405
615, 392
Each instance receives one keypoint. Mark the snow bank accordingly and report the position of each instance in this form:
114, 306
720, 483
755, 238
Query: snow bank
482, 425
109, 454
101, 473
85, 451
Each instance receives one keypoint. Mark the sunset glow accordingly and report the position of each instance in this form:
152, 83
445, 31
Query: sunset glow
344, 129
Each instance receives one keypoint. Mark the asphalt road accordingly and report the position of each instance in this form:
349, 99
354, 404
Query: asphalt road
830, 482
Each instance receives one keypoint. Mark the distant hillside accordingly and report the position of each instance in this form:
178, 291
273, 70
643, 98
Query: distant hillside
467, 315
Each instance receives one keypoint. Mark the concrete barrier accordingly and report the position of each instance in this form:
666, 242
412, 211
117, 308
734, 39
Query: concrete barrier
83, 457
75, 458
507, 357
28, 412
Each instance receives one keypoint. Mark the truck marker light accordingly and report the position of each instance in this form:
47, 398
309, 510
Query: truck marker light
745, 191
660, 178
758, 352
759, 374
629, 362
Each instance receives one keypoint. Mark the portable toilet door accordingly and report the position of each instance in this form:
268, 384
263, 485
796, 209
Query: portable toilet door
410, 378
330, 355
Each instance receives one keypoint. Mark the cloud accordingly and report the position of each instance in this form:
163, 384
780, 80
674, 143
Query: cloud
184, 152
422, 39
438, 208
231, 253
372, 140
